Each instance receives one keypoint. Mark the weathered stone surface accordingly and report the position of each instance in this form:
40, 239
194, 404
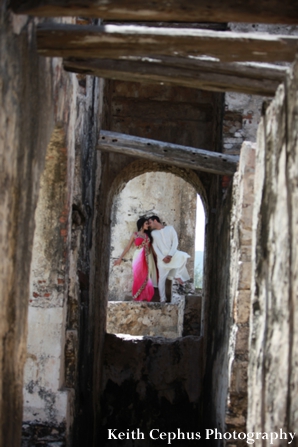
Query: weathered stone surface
239, 378
71, 358
54, 319
241, 347
35, 98
244, 274
240, 291
45, 115
44, 435
242, 306
273, 343
142, 318
51, 218
163, 385
243, 112
39, 101
241, 117
192, 315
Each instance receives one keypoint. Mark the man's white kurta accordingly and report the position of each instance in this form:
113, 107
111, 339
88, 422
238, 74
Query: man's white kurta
165, 243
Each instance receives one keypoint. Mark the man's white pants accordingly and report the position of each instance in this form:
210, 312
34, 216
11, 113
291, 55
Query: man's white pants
165, 272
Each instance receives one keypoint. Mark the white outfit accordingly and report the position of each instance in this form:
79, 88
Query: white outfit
165, 243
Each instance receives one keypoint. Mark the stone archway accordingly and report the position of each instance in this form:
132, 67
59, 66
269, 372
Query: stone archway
185, 380
117, 171
164, 194
139, 167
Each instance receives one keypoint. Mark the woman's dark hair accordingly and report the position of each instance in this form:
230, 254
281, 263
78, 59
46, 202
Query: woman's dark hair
140, 223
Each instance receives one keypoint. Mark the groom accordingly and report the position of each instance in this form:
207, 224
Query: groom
171, 262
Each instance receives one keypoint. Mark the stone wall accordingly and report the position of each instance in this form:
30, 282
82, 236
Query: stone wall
216, 305
161, 390
240, 290
243, 112
226, 304
44, 403
80, 305
43, 119
272, 400
148, 319
60, 257
33, 98
241, 118
164, 194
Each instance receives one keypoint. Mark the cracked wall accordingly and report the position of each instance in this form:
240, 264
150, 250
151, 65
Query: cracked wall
235, 403
44, 369
60, 270
161, 390
272, 373
40, 103
36, 96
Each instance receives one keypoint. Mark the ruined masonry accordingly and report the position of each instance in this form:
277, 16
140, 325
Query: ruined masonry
100, 123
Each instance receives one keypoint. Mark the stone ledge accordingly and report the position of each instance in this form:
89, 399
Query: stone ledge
145, 319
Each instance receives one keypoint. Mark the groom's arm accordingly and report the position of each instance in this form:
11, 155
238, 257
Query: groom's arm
174, 242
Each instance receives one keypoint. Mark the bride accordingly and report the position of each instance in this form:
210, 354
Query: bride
143, 264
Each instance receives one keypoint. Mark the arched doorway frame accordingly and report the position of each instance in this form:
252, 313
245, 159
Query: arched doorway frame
166, 194
113, 181
141, 167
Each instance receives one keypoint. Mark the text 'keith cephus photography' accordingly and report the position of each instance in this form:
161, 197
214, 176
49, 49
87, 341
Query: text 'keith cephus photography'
170, 437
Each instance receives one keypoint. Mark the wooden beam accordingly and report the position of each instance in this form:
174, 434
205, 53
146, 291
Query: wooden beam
254, 79
252, 11
173, 154
114, 41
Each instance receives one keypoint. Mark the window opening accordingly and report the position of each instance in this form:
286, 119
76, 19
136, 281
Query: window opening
199, 245
175, 201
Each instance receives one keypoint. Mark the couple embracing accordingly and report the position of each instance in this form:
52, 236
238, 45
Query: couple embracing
154, 241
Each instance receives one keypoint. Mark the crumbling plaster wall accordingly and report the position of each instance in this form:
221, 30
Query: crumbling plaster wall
234, 404
272, 372
60, 258
262, 384
227, 311
31, 102
39, 103
241, 118
44, 372
172, 199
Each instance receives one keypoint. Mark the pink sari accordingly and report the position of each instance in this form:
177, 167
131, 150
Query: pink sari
142, 288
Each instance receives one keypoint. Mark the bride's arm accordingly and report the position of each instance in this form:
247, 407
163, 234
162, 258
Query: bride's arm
126, 249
